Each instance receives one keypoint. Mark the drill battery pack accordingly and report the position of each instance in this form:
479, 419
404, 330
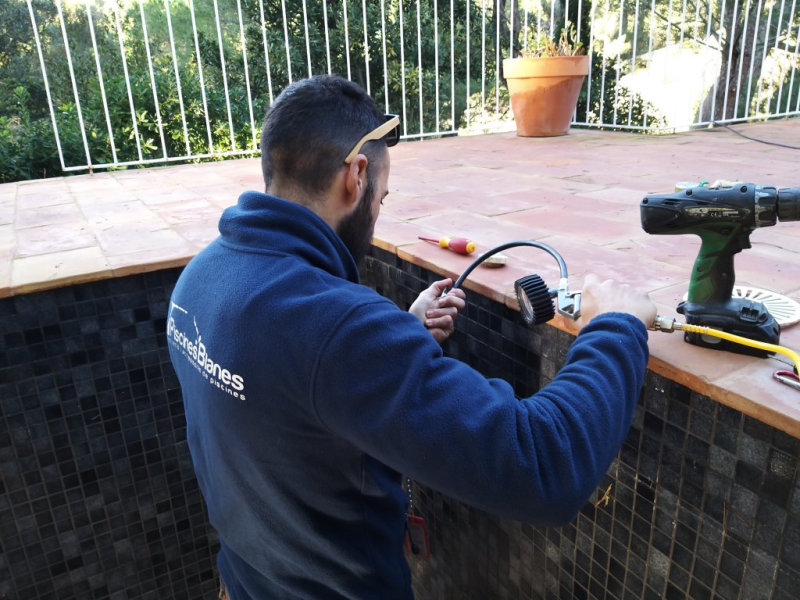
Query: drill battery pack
739, 316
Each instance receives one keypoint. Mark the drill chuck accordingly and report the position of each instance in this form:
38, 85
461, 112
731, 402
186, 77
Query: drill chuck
788, 205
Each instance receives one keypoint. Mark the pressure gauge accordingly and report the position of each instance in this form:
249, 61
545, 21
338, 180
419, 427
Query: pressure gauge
534, 299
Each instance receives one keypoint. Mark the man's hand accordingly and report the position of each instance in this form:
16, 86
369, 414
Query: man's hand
436, 313
608, 296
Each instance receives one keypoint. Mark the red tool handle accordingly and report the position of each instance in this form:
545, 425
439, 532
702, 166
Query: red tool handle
460, 245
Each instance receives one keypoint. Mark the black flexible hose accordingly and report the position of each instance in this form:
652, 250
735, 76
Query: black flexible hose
561, 264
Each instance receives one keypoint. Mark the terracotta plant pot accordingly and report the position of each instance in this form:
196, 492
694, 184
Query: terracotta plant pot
544, 92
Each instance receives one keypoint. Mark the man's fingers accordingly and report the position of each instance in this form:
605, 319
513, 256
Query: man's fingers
458, 292
452, 301
434, 313
440, 322
441, 286
439, 335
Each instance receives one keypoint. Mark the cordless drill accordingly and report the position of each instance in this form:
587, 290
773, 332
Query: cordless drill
724, 218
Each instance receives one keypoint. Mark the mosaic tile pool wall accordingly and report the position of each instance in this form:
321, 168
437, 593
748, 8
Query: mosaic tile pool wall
703, 502
98, 499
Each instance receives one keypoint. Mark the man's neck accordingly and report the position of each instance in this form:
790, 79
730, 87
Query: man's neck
319, 206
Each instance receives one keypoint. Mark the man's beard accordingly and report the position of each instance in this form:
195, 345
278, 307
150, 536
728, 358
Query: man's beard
356, 229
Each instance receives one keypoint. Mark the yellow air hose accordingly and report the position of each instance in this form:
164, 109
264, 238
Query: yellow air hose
794, 356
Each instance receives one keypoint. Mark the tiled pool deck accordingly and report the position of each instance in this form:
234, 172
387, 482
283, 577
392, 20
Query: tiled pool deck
579, 193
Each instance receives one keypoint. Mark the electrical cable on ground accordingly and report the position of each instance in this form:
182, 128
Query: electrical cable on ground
747, 137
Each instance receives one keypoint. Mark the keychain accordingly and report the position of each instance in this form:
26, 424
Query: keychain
416, 531
787, 377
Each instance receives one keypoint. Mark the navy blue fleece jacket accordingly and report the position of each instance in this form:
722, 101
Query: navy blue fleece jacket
307, 394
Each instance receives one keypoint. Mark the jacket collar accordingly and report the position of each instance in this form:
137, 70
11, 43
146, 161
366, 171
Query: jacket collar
263, 222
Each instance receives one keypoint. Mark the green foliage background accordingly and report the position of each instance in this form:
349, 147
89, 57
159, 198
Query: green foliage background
28, 146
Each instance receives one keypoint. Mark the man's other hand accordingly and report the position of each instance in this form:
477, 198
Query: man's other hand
609, 296
436, 313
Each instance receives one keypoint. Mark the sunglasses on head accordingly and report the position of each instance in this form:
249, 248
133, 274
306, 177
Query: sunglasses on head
389, 132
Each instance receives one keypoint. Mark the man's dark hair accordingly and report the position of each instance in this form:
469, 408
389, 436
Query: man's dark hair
312, 126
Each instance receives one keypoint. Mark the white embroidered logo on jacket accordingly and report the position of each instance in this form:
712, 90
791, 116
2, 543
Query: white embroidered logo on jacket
198, 354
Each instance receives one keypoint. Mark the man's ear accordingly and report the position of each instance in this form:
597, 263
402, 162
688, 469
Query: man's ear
355, 180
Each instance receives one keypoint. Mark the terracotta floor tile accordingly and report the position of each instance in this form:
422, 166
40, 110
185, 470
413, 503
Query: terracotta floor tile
168, 195
795, 232
402, 206
8, 237
606, 178
101, 216
188, 211
197, 176
94, 184
568, 184
48, 187
199, 233
583, 258
131, 174
413, 187
485, 231
392, 233
44, 199
575, 224
152, 178
752, 390
58, 269
6, 260
46, 239
226, 194
7, 213
234, 170
124, 238
790, 334
451, 172
223, 202
105, 197
564, 171
560, 161
416, 166
251, 181
671, 296
678, 250
554, 198
769, 267
765, 235
48, 215
488, 188
621, 195
490, 205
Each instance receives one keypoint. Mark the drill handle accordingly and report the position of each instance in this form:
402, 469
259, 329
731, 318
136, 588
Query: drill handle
713, 274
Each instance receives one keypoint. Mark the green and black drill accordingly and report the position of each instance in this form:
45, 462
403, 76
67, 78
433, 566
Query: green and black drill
724, 218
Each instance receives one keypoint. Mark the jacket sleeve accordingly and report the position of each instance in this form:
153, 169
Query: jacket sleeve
383, 383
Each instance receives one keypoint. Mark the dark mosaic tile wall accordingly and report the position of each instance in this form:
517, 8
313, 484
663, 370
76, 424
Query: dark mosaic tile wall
703, 502
98, 499
97, 494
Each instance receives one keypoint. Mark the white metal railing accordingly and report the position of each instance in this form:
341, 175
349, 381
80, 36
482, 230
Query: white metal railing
133, 82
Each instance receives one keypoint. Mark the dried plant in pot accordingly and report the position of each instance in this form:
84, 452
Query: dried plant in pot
544, 84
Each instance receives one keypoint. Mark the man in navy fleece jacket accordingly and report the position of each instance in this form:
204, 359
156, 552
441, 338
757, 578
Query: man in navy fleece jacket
307, 394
